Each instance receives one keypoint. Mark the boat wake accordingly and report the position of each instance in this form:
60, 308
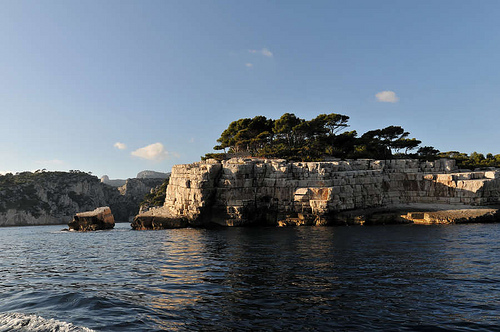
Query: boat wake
33, 323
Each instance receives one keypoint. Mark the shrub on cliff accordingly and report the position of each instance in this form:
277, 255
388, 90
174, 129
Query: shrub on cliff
475, 160
156, 197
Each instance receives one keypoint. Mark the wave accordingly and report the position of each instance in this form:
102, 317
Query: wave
32, 323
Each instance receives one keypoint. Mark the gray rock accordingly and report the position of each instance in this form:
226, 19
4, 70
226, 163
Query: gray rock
114, 183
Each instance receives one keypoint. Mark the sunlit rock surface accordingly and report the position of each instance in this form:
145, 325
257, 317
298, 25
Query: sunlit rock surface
453, 216
240, 192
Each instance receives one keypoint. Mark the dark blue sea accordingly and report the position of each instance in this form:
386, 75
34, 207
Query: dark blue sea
385, 278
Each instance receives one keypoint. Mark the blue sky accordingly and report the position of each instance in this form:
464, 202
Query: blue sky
165, 78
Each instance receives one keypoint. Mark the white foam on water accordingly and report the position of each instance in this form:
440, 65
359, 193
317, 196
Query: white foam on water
33, 323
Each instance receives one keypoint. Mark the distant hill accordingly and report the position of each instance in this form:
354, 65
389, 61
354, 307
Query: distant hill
113, 183
54, 197
152, 175
141, 175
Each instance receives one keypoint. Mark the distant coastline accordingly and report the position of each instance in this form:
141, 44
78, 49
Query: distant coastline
46, 198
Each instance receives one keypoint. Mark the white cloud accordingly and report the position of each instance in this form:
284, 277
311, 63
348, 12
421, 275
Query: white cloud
387, 97
5, 172
249, 65
154, 151
120, 146
264, 52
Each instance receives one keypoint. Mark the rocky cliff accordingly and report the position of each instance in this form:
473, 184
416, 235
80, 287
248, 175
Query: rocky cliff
126, 204
143, 175
54, 197
113, 183
275, 192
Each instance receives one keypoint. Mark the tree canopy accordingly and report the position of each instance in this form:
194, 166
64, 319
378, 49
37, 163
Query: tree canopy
325, 136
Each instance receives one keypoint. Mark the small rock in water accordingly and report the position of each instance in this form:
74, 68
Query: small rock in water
100, 218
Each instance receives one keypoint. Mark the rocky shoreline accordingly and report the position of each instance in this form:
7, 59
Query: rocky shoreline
49, 198
247, 192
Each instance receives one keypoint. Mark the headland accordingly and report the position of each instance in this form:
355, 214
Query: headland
275, 192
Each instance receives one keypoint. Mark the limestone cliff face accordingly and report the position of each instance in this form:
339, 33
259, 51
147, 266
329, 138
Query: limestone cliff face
126, 204
55, 197
47, 197
275, 192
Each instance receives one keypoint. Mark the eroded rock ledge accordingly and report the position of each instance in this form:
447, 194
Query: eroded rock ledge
240, 192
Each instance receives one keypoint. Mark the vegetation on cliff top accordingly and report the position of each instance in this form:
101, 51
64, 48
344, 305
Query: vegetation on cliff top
474, 160
19, 191
326, 137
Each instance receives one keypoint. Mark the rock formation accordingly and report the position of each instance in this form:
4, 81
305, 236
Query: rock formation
43, 198
239, 192
126, 203
113, 183
150, 176
99, 219
453, 216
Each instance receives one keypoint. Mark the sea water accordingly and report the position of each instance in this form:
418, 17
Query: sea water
404, 278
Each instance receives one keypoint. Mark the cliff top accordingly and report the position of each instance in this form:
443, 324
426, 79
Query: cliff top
408, 165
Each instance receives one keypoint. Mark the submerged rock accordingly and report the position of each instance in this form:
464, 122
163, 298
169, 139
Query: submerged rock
100, 218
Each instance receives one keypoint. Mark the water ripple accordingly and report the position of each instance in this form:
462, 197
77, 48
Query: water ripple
393, 278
